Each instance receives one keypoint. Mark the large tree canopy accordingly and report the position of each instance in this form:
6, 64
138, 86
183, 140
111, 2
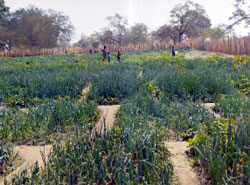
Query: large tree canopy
166, 33
3, 9
33, 27
189, 20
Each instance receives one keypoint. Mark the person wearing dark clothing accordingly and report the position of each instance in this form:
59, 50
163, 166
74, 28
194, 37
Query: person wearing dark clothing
109, 58
173, 52
118, 56
104, 53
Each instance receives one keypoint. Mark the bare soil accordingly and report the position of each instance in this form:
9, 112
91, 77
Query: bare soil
140, 75
210, 108
182, 167
2, 108
183, 171
84, 92
204, 54
29, 156
106, 122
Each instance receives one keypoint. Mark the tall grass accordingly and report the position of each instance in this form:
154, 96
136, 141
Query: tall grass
115, 81
230, 45
7, 158
193, 80
41, 80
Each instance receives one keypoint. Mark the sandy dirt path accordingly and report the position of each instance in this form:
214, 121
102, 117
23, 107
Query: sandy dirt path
204, 54
2, 108
84, 92
140, 75
182, 167
29, 156
209, 107
106, 121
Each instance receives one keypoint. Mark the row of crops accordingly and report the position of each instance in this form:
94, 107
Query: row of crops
159, 96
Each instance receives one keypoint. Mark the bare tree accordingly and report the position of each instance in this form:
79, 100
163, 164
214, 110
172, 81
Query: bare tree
107, 37
83, 42
138, 34
218, 32
118, 25
94, 40
241, 13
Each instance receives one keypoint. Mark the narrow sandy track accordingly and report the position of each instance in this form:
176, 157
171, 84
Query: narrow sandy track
106, 122
2, 108
140, 75
209, 107
84, 92
24, 110
182, 167
29, 156
107, 119
204, 54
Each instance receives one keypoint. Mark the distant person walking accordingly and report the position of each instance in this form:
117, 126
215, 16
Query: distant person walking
173, 51
104, 54
6, 47
118, 56
109, 58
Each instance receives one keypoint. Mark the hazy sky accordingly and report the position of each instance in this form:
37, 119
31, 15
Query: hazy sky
90, 15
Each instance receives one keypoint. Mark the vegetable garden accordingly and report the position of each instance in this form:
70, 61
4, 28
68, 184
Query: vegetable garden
161, 97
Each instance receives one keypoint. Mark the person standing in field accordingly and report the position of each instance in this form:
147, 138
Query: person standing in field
173, 51
104, 54
118, 56
109, 58
6, 47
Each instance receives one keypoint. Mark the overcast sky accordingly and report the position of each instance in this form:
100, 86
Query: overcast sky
88, 16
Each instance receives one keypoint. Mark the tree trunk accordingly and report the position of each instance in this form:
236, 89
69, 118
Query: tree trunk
180, 37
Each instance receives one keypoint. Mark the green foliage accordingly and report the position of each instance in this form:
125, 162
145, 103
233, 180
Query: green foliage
45, 119
153, 89
33, 27
42, 77
19, 101
132, 152
158, 95
222, 148
115, 81
7, 157
3, 9
243, 84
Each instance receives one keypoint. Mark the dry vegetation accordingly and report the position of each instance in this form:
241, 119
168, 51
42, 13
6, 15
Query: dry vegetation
230, 45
